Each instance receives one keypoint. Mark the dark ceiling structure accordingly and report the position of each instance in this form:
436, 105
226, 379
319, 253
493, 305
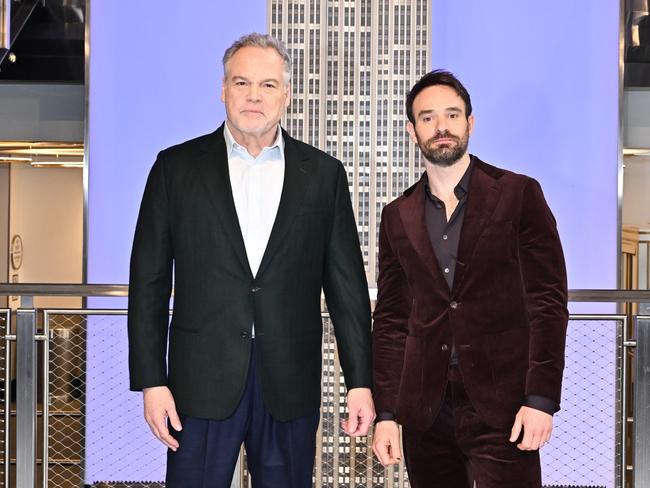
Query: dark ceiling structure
47, 42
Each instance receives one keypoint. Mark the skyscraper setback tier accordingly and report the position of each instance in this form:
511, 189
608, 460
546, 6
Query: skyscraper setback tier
353, 64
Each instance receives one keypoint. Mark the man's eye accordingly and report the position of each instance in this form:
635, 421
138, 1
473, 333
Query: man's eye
453, 116
269, 85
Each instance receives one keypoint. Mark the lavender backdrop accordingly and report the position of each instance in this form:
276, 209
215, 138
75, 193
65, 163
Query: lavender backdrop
544, 85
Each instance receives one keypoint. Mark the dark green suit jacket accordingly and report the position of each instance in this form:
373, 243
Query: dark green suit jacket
188, 227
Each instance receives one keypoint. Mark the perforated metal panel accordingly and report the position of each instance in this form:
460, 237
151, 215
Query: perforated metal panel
582, 451
642, 404
96, 432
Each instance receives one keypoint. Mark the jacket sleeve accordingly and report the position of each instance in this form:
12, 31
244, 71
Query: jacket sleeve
346, 290
544, 276
390, 326
150, 284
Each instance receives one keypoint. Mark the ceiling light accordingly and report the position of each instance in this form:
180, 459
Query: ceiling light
12, 159
636, 151
43, 154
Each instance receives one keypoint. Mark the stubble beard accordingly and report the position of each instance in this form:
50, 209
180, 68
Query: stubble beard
447, 154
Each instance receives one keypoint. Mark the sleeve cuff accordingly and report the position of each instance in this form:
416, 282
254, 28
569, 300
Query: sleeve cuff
541, 403
381, 416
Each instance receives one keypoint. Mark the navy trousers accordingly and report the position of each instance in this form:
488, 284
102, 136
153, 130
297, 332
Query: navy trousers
279, 454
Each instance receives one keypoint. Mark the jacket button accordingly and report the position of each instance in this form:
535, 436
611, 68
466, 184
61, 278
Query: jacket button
245, 334
454, 305
255, 289
444, 347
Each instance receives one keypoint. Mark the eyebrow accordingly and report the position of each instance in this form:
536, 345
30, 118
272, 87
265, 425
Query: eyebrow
266, 80
448, 109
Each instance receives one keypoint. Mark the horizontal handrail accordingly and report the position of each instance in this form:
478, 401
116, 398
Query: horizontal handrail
616, 296
115, 290
63, 289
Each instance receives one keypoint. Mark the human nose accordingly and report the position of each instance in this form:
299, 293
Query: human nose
253, 94
441, 124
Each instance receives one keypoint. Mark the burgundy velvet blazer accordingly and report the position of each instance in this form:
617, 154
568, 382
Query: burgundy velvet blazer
506, 312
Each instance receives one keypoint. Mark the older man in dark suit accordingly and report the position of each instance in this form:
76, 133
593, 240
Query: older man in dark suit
253, 224
471, 314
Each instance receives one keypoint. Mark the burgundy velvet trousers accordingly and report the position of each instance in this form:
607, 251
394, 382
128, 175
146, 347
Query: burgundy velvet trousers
459, 446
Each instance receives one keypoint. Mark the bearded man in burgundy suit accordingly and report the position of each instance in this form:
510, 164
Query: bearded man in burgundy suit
471, 315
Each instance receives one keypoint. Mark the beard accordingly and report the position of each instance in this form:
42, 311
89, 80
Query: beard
446, 154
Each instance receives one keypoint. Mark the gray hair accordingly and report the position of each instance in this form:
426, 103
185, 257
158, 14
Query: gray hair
264, 41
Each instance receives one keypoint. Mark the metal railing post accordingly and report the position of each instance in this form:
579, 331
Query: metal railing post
5, 24
8, 339
26, 377
642, 404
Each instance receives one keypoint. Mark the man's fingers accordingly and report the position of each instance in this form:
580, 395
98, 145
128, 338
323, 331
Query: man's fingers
545, 439
364, 419
382, 451
390, 454
158, 407
526, 443
534, 437
531, 442
361, 412
174, 420
351, 423
395, 451
344, 425
516, 429
358, 423
169, 440
364, 425
162, 433
537, 426
386, 443
152, 427
548, 436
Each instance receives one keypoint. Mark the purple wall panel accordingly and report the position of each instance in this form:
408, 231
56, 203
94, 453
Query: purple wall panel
155, 80
544, 85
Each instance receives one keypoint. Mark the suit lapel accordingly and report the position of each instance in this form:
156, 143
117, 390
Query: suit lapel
213, 165
298, 169
412, 214
482, 198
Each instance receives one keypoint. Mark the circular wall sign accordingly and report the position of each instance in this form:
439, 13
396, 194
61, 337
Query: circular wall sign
16, 252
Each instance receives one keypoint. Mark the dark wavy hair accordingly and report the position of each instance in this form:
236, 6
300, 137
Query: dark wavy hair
437, 77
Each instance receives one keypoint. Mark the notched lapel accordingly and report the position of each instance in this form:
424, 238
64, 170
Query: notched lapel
298, 170
483, 195
213, 164
411, 212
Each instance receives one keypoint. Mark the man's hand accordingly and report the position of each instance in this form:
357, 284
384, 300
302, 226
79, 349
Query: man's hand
537, 427
158, 406
361, 412
385, 444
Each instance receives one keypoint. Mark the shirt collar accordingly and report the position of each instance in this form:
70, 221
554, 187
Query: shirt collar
232, 145
462, 187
